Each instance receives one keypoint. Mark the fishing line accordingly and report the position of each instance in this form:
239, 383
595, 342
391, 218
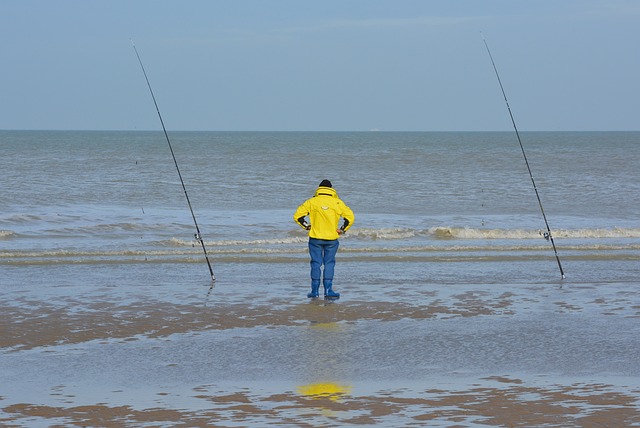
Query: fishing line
198, 237
548, 236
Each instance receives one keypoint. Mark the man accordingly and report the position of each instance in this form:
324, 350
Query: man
324, 210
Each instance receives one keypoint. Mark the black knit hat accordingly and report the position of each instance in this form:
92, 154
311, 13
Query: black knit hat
325, 183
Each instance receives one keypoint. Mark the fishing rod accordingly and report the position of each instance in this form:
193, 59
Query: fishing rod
548, 236
198, 237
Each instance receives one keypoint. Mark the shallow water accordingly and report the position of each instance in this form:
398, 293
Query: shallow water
397, 349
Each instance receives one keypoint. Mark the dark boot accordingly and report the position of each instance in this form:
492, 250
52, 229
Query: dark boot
328, 291
315, 287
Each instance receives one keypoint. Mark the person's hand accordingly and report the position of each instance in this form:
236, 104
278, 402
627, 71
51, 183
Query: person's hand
340, 231
308, 227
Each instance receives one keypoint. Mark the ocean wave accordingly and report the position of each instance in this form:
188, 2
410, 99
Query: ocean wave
23, 218
97, 229
6, 234
252, 250
175, 242
391, 233
438, 233
474, 233
138, 253
272, 258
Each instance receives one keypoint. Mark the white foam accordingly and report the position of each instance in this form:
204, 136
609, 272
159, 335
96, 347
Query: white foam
175, 242
5, 234
474, 233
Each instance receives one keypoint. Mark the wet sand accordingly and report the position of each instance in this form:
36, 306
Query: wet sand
491, 402
474, 354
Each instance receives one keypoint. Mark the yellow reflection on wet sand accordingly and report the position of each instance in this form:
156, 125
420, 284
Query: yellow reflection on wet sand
324, 389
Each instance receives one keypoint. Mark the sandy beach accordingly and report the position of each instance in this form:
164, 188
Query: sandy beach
180, 354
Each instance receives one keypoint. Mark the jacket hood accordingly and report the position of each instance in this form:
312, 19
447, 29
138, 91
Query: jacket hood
328, 191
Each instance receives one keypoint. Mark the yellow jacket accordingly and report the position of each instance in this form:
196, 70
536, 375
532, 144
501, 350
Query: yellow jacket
324, 211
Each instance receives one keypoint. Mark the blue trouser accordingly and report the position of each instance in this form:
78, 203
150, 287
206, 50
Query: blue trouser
322, 252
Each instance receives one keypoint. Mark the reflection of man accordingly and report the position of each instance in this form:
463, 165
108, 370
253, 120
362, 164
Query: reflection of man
325, 344
324, 389
324, 210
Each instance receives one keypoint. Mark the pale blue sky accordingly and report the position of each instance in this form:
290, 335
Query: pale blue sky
392, 65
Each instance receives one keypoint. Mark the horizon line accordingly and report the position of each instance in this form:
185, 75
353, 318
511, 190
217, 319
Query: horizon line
372, 131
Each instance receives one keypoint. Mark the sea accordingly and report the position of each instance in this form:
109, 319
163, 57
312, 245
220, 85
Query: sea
474, 263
